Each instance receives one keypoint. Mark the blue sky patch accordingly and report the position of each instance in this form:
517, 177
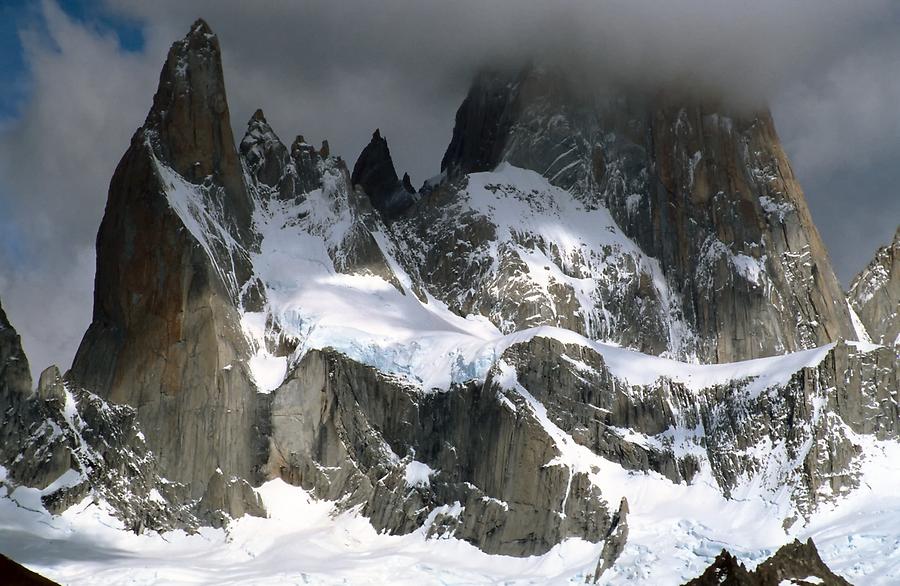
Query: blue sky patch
18, 14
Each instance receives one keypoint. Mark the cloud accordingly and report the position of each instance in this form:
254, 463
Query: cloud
850, 116
55, 164
841, 127
337, 70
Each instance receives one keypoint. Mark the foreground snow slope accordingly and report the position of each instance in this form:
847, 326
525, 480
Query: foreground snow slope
675, 533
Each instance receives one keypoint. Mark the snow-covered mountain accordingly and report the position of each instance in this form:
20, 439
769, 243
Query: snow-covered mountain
605, 342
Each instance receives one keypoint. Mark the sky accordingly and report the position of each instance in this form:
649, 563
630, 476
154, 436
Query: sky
77, 78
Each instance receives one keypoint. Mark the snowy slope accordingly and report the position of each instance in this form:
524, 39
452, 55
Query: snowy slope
378, 323
317, 297
675, 531
389, 327
509, 245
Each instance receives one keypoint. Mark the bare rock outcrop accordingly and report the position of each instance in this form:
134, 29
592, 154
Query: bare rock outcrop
875, 294
814, 413
172, 265
474, 462
794, 563
374, 172
615, 540
59, 446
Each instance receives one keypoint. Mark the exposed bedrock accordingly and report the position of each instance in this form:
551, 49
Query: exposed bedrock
875, 294
165, 337
708, 192
348, 432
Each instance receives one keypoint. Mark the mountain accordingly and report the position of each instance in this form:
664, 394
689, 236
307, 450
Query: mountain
172, 275
794, 563
606, 334
707, 193
61, 445
875, 294
374, 172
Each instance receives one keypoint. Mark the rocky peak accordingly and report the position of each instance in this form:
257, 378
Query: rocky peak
306, 166
374, 171
725, 569
875, 294
273, 169
264, 154
172, 272
407, 183
798, 562
707, 192
189, 124
794, 563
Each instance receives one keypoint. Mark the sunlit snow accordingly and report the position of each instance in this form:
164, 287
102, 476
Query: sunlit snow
675, 529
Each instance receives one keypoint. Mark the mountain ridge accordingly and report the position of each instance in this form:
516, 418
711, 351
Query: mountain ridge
528, 351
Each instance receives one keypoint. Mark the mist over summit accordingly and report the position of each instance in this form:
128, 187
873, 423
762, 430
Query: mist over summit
604, 339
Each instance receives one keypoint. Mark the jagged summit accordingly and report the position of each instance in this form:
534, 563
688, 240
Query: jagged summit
15, 374
554, 325
708, 194
407, 183
258, 116
794, 563
374, 171
265, 156
200, 27
191, 97
172, 272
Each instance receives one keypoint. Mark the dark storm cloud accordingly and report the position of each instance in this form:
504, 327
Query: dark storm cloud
338, 70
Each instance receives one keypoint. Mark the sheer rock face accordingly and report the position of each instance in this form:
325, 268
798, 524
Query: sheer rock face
172, 262
711, 196
15, 376
815, 415
70, 444
346, 431
875, 294
191, 126
374, 171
